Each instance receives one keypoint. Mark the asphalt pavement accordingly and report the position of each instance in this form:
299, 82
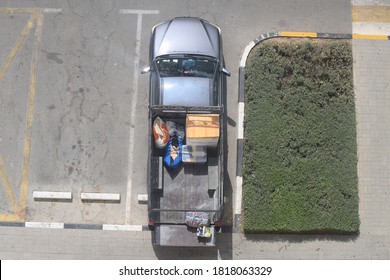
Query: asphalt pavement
87, 108
371, 70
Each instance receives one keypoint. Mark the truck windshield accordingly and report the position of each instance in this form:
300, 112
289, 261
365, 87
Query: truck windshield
202, 67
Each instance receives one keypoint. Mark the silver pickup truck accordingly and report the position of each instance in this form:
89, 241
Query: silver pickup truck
186, 81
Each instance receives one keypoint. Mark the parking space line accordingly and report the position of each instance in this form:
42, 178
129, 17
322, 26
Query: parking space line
3, 173
4, 10
8, 186
25, 32
52, 10
10, 218
134, 97
37, 20
139, 12
30, 112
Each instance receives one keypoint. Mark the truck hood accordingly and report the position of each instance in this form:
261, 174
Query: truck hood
186, 36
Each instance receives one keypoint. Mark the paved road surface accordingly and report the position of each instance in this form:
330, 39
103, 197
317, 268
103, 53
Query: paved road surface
85, 136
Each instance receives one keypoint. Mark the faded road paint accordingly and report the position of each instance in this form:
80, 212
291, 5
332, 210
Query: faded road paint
372, 20
30, 111
36, 20
371, 14
25, 32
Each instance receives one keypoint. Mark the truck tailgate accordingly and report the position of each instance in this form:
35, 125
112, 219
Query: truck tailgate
181, 236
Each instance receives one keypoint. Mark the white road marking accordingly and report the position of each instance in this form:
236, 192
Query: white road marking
374, 28
238, 200
123, 227
47, 195
44, 225
134, 97
248, 48
139, 12
50, 10
142, 198
370, 3
241, 110
100, 196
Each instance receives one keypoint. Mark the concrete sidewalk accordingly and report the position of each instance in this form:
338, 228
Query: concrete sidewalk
372, 89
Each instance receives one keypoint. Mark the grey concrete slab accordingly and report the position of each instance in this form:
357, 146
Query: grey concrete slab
81, 127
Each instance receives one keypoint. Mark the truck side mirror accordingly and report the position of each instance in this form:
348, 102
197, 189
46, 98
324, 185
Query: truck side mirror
145, 70
226, 72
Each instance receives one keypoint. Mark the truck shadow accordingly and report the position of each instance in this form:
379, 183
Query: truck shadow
182, 253
222, 250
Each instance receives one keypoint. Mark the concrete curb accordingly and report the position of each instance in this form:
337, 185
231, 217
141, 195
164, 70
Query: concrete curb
55, 196
46, 225
104, 227
100, 197
52, 196
241, 94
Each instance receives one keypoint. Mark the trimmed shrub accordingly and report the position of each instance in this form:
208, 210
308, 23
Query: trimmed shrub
300, 151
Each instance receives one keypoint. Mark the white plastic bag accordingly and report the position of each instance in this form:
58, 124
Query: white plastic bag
160, 133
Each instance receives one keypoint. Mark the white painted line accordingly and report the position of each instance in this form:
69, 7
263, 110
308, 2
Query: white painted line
142, 198
134, 96
372, 28
148, 12
248, 48
44, 225
123, 227
238, 200
101, 196
46, 195
369, 3
50, 10
241, 111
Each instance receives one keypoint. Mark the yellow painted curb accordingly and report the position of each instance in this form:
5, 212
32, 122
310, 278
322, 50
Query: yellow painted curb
298, 34
370, 37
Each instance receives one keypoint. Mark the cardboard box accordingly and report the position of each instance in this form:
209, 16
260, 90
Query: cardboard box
194, 154
202, 130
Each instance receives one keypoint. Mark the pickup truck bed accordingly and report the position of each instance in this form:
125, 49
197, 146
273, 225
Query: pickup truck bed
192, 187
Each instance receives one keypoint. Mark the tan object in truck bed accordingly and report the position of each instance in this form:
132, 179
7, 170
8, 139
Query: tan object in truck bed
202, 130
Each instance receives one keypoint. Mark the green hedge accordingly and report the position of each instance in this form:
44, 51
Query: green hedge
300, 151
